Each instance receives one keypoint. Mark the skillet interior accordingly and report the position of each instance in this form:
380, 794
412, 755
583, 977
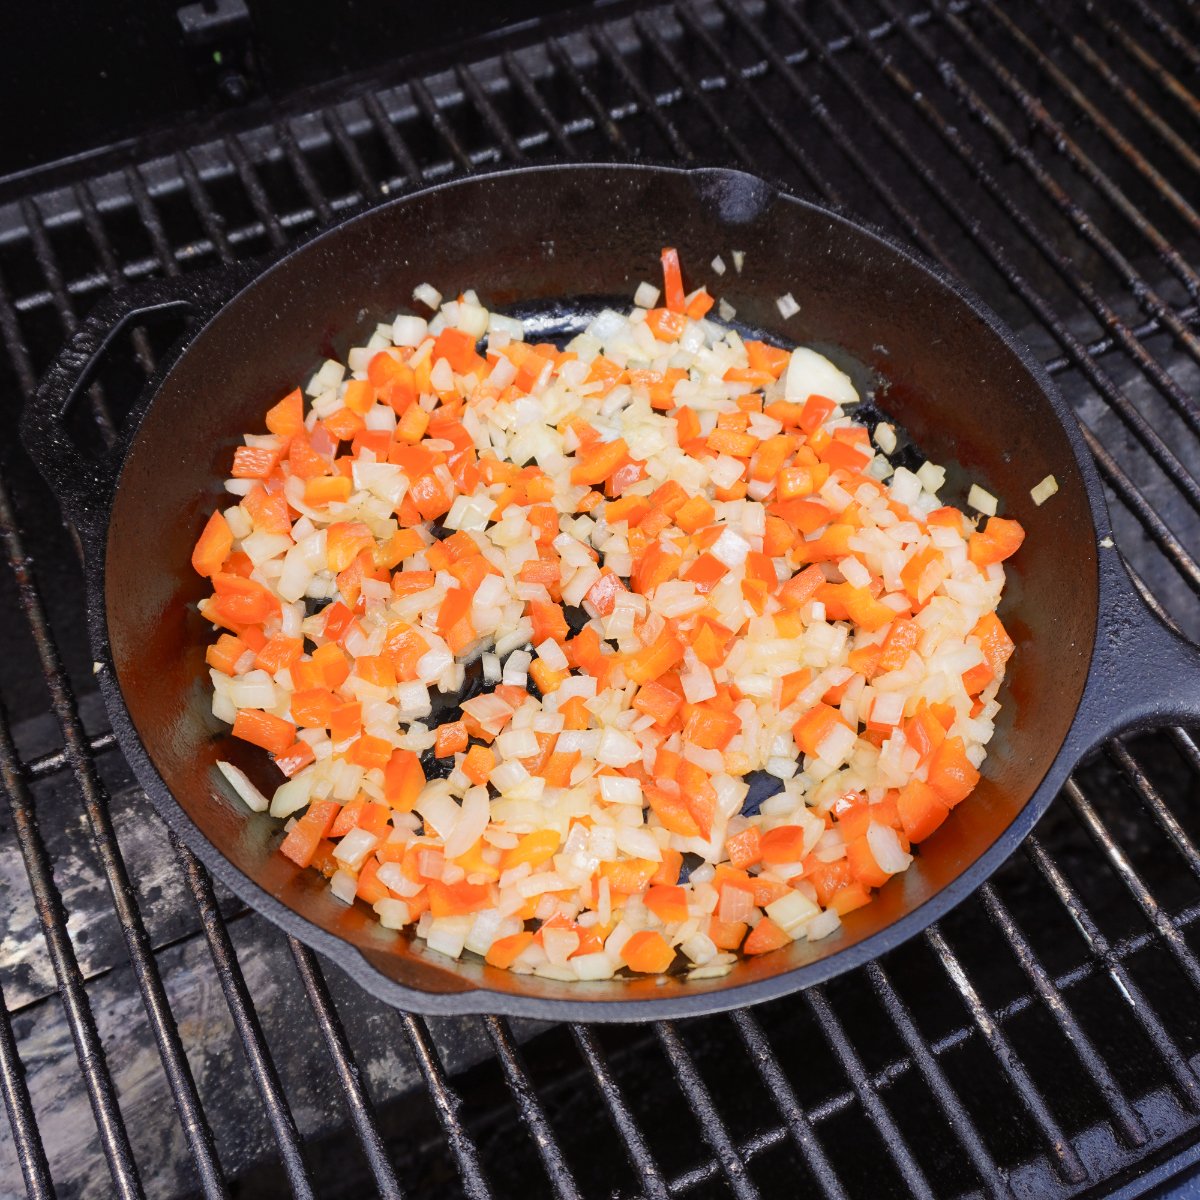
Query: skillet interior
553, 241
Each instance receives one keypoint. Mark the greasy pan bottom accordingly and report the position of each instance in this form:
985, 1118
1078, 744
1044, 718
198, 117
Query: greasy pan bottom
557, 241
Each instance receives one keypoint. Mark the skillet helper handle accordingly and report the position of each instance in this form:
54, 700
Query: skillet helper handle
82, 483
1144, 672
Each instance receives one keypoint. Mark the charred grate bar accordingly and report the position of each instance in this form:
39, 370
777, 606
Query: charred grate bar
1042, 1041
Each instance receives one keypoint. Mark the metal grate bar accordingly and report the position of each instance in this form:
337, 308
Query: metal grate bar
304, 176
519, 76
1150, 797
149, 219
255, 192
840, 137
487, 110
245, 1020
1148, 299
392, 139
35, 1170
1118, 87
602, 40
1067, 146
1103, 345
358, 1103
97, 1080
1165, 929
649, 35
798, 1125
447, 1104
1186, 745
1058, 1145
601, 115
48, 264
1179, 43
1172, 548
733, 76
428, 107
531, 1110
56, 760
112, 273
956, 1115
1150, 598
10, 330
212, 224
1036, 114
638, 1153
1131, 1126
868, 1097
95, 800
1164, 1044
712, 1127
335, 123
82, 195
1117, 401
709, 1170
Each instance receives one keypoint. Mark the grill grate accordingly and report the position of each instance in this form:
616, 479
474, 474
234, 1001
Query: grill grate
1043, 1040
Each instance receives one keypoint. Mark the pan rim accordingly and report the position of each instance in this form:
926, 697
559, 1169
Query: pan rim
709, 996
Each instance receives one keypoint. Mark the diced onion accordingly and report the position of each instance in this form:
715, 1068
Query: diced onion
393, 914
932, 477
792, 912
618, 789
253, 799
646, 295
982, 501
617, 749
473, 820
822, 925
352, 850
291, 796
344, 885
812, 374
885, 848
787, 305
428, 295
1042, 492
410, 331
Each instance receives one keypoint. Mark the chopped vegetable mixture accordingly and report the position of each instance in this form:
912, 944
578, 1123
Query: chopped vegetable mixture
520, 625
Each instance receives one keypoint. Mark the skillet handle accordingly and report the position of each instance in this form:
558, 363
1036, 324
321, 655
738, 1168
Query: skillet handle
83, 484
1144, 672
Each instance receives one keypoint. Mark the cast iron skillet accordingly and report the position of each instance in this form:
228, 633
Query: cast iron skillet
1091, 658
